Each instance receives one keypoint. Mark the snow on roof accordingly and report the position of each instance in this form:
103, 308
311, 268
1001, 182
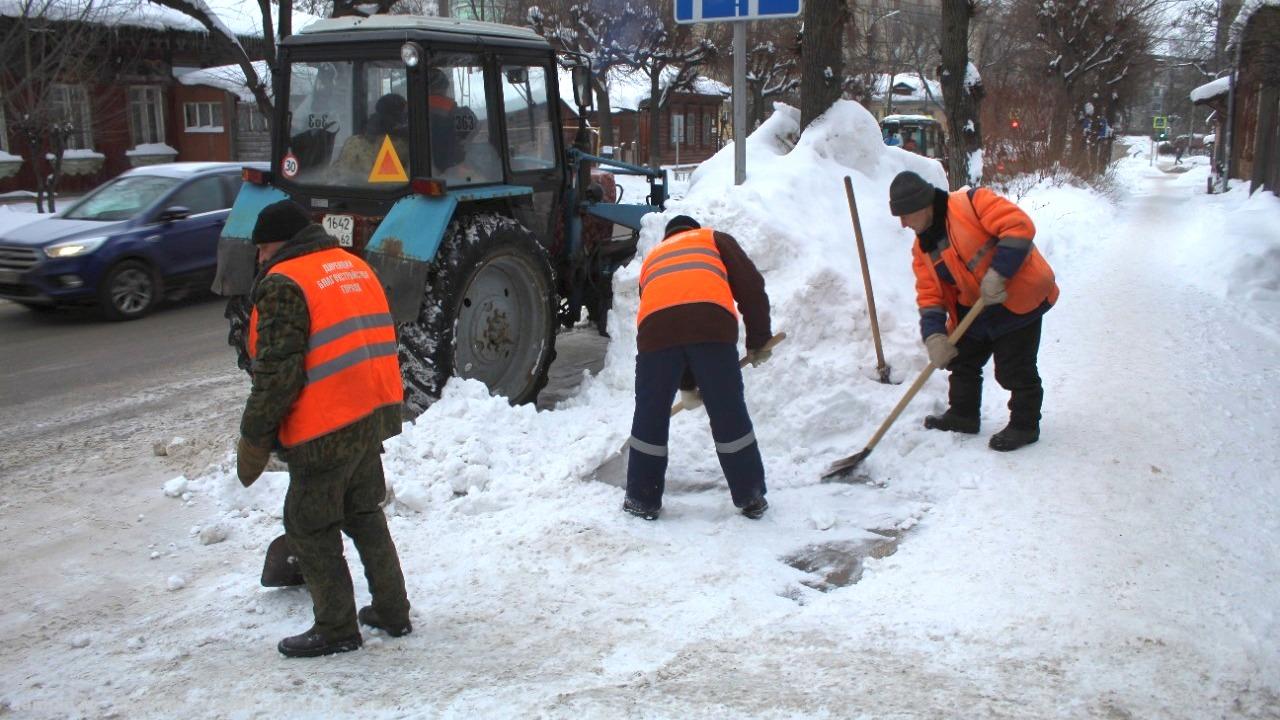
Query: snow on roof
420, 22
910, 82
1247, 9
908, 119
1211, 90
242, 17
627, 89
229, 78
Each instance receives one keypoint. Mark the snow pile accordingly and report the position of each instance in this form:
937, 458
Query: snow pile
146, 149
1233, 249
230, 78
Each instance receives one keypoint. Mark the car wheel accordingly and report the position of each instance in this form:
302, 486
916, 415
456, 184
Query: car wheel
129, 291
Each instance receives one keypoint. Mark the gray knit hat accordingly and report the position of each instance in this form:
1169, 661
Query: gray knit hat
908, 193
280, 221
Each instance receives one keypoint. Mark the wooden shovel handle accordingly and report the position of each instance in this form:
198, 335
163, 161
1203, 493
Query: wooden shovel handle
773, 342
953, 338
866, 273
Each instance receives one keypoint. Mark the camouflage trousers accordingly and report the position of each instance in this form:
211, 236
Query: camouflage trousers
344, 497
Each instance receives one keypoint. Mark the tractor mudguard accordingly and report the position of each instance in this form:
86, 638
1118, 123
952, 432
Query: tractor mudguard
237, 257
408, 238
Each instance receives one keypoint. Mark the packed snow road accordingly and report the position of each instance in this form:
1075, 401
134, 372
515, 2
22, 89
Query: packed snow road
1123, 567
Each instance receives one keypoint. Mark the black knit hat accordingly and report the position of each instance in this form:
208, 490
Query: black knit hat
680, 223
908, 193
280, 221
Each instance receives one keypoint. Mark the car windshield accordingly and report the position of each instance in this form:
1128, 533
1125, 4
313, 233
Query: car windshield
121, 199
348, 124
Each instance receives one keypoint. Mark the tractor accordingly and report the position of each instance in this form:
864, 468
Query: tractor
438, 150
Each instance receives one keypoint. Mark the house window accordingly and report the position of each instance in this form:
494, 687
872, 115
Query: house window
202, 117
677, 129
708, 119
70, 104
146, 115
690, 128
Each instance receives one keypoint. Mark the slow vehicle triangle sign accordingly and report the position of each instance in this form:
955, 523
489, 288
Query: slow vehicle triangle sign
387, 168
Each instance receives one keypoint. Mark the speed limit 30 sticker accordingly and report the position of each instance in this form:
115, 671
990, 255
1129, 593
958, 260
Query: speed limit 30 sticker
289, 165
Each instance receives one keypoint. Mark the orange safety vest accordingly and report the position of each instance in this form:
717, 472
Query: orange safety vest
351, 362
968, 251
685, 268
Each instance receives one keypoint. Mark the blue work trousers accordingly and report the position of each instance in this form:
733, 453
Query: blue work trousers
715, 369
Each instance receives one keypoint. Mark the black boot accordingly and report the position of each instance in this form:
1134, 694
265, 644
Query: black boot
369, 616
952, 422
312, 644
634, 508
755, 509
1012, 438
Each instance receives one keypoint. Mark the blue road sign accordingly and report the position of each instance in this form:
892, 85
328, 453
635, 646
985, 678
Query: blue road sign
696, 11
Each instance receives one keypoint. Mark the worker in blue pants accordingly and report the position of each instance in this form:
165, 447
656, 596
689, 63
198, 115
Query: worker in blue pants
692, 287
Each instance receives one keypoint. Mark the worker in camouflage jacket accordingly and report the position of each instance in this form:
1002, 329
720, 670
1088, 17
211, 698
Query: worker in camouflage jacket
326, 393
971, 244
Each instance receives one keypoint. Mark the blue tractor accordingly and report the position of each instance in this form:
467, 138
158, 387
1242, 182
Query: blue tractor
437, 150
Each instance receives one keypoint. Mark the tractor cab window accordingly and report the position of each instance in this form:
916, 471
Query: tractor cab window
349, 124
462, 150
530, 133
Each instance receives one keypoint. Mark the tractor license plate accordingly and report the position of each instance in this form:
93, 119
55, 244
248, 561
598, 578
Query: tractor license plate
341, 227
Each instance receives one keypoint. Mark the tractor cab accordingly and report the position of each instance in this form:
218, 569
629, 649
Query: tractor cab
435, 148
919, 134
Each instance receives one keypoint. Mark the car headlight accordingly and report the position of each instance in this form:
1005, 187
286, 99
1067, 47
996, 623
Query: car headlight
74, 248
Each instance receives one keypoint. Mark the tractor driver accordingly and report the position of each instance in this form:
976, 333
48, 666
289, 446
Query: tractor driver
360, 152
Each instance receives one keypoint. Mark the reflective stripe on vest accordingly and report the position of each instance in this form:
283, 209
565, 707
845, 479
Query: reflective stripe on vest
685, 268
351, 363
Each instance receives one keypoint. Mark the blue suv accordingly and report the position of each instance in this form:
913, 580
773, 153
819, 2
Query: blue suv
147, 234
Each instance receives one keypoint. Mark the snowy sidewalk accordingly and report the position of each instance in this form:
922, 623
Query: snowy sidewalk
1124, 567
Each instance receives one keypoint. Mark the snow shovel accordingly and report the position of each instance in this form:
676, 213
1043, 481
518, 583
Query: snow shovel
618, 459
844, 466
882, 367
281, 566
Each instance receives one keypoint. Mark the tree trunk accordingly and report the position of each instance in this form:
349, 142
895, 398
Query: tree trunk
821, 57
604, 113
756, 108
655, 117
960, 98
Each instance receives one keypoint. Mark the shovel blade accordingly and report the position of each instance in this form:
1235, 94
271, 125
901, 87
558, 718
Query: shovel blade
281, 567
844, 467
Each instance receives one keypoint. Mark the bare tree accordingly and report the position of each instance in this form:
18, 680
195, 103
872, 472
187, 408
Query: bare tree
772, 66
660, 48
821, 57
43, 44
962, 92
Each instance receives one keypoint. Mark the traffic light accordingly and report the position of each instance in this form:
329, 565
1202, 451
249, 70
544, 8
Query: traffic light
1014, 124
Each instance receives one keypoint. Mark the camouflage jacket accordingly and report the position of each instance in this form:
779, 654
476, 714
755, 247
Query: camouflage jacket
279, 372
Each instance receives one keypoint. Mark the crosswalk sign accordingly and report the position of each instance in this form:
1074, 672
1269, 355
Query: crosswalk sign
387, 167
1159, 122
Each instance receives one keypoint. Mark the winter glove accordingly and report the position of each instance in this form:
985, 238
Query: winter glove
941, 351
993, 288
691, 399
759, 356
251, 460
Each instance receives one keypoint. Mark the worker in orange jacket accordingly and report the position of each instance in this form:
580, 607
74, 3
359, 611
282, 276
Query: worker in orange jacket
974, 243
692, 287
326, 392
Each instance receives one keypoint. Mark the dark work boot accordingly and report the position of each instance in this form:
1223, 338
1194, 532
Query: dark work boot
952, 422
312, 644
369, 616
755, 509
1012, 438
634, 508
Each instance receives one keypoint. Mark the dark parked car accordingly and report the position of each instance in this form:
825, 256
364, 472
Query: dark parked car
147, 234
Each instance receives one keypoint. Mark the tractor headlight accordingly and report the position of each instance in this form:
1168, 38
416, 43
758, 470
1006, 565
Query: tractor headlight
411, 54
74, 248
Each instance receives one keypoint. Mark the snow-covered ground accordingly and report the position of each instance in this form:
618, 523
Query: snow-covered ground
1124, 567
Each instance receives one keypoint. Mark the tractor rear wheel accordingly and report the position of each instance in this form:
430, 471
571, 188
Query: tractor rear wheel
489, 313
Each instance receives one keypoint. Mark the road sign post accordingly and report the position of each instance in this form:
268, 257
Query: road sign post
739, 12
